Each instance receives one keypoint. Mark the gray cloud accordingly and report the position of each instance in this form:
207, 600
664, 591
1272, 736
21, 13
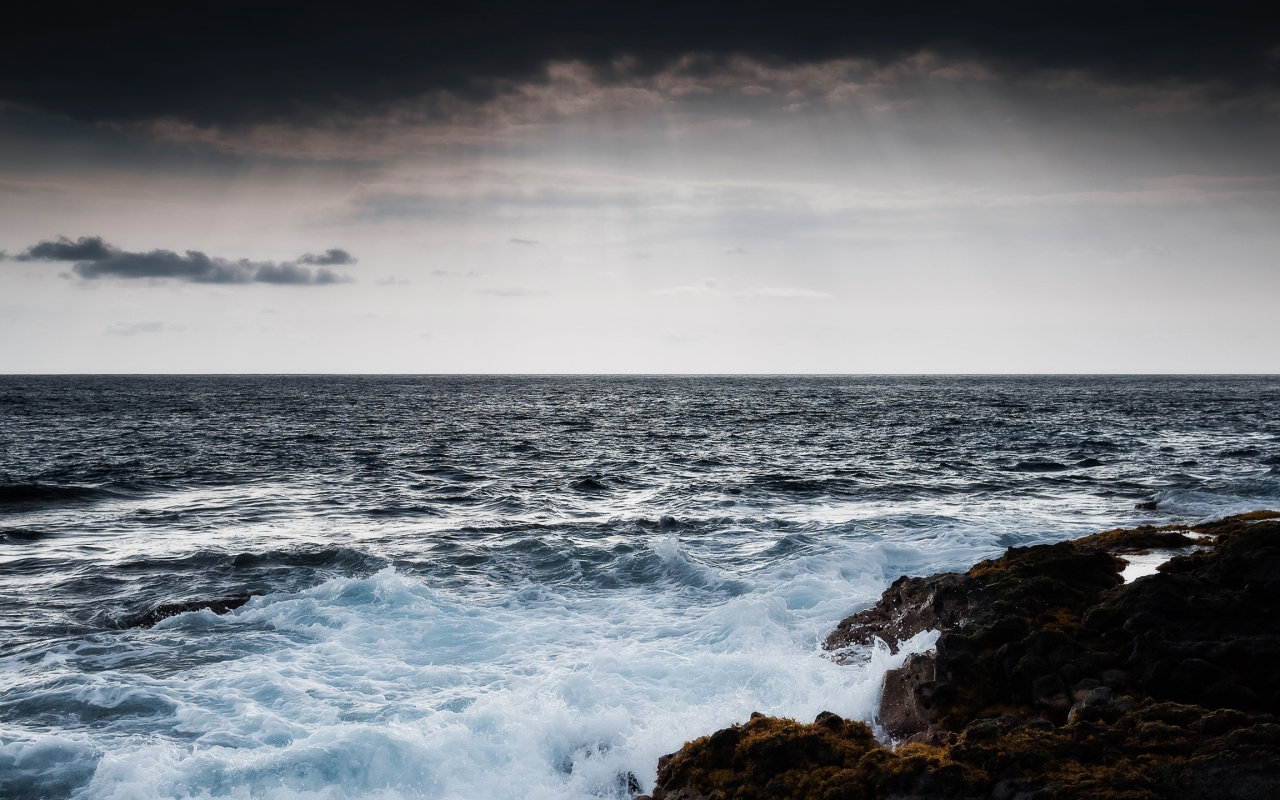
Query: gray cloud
331, 257
94, 258
86, 248
514, 240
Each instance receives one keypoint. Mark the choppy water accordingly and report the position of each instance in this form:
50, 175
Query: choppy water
521, 587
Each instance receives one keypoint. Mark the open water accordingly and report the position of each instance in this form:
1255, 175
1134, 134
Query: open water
521, 587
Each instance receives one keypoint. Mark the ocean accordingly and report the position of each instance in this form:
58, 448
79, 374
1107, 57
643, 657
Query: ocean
522, 587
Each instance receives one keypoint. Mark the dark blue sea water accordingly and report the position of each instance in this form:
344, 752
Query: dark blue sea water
521, 587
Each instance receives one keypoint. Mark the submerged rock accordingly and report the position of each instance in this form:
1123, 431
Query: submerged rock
1052, 678
218, 605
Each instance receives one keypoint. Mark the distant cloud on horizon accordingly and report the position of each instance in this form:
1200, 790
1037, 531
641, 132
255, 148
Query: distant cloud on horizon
94, 258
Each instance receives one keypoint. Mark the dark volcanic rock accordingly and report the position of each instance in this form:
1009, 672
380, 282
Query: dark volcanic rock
1051, 679
829, 758
909, 606
218, 605
909, 701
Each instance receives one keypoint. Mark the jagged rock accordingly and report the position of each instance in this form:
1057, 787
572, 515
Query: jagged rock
907, 703
909, 606
1041, 619
828, 758
1052, 679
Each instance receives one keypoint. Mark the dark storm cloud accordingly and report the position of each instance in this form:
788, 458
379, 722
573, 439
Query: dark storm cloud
248, 62
94, 258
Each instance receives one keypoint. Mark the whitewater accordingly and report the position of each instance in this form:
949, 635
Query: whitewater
522, 587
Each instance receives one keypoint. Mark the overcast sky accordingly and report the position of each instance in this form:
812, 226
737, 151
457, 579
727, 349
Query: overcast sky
737, 188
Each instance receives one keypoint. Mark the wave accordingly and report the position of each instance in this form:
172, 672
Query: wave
46, 766
44, 494
384, 686
22, 536
1039, 465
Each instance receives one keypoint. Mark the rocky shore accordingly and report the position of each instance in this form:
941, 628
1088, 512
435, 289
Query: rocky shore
1052, 678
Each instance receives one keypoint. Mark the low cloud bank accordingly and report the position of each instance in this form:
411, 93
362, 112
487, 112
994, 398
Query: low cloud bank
95, 258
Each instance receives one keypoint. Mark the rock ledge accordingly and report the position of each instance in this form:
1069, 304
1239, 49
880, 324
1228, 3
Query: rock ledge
1052, 679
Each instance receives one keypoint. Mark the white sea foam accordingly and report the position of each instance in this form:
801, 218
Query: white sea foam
393, 685
386, 687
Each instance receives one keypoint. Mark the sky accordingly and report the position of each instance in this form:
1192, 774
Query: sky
641, 188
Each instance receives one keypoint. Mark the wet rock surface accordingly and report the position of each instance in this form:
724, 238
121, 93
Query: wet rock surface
1052, 679
909, 606
218, 605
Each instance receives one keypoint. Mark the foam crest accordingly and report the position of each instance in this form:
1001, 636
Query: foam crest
1205, 506
52, 765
